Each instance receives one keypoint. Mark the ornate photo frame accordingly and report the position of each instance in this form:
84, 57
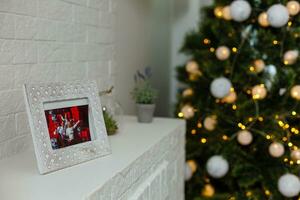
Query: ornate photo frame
57, 136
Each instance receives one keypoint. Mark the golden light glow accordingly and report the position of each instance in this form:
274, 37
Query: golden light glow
225, 137
280, 123
199, 125
284, 139
285, 160
250, 119
180, 114
275, 42
248, 194
218, 11
211, 49
268, 137
206, 41
291, 162
242, 126
234, 49
290, 23
290, 144
267, 192
234, 107
261, 119
208, 190
203, 140
298, 162
193, 131
252, 69
294, 113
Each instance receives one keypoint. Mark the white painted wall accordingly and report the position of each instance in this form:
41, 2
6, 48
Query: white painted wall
49, 40
185, 17
143, 39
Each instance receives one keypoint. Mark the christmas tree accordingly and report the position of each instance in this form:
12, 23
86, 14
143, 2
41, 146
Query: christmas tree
241, 101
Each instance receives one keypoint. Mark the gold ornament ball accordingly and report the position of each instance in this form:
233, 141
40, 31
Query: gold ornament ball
208, 190
295, 92
259, 92
263, 19
222, 53
230, 98
218, 11
276, 149
295, 155
226, 13
244, 137
290, 57
259, 65
210, 123
193, 165
188, 111
187, 92
192, 67
293, 7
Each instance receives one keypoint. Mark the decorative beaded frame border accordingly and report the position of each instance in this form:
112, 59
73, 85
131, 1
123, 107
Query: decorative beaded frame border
48, 160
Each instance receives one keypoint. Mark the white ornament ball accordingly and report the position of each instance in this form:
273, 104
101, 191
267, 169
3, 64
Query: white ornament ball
226, 13
240, 10
220, 87
290, 57
263, 19
278, 15
293, 7
222, 53
188, 111
210, 123
188, 172
259, 92
244, 137
192, 67
217, 166
295, 155
276, 149
295, 92
289, 185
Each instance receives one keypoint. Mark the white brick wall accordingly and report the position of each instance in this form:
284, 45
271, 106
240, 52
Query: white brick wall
50, 40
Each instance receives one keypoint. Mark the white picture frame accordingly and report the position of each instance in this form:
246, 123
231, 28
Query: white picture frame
50, 98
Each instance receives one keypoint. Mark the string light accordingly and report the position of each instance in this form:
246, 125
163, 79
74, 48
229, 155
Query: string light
290, 23
275, 42
267, 192
249, 194
250, 119
225, 137
290, 144
252, 69
268, 137
203, 140
242, 126
284, 139
211, 49
294, 113
199, 125
261, 119
234, 49
234, 107
206, 41
285, 160
180, 115
194, 132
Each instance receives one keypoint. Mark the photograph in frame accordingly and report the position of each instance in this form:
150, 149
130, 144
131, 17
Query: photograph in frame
67, 124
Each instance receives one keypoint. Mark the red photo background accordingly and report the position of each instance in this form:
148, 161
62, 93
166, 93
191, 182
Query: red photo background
56, 117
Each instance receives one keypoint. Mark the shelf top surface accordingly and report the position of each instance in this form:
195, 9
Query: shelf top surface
20, 179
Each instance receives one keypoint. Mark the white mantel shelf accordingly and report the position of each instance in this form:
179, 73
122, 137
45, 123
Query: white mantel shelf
140, 153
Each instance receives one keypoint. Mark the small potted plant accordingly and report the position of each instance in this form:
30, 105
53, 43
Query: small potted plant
144, 95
